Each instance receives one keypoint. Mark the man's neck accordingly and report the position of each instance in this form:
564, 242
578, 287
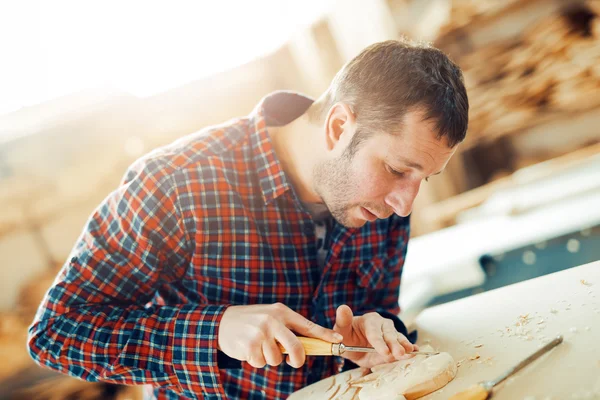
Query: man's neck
298, 148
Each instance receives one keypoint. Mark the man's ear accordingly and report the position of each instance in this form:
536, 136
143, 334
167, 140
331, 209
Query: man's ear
339, 125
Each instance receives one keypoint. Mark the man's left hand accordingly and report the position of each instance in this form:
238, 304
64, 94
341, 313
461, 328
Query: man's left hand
371, 330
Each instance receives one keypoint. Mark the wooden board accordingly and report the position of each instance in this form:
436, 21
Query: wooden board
491, 332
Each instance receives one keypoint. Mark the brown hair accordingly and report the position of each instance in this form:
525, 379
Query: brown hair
388, 79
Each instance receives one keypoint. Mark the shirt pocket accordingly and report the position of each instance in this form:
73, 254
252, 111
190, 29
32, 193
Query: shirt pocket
372, 274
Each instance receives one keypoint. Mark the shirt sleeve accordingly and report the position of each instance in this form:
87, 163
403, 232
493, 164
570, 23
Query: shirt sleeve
97, 322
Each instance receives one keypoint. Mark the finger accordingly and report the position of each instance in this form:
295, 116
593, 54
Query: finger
256, 357
390, 335
272, 353
408, 346
343, 321
415, 347
343, 317
375, 337
292, 345
306, 327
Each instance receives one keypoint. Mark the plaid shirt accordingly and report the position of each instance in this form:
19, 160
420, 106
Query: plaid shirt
206, 222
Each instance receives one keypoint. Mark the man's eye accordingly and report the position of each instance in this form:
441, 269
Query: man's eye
393, 171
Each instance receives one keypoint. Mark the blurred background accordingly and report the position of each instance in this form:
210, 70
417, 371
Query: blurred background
88, 87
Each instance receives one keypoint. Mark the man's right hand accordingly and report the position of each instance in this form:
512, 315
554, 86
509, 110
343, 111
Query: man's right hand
252, 333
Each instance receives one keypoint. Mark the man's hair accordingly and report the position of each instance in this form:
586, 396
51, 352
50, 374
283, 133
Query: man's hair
388, 79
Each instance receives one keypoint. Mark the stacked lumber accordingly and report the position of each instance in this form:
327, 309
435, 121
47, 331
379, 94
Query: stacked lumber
21, 378
463, 12
550, 71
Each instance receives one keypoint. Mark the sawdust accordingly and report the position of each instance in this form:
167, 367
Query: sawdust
461, 361
520, 327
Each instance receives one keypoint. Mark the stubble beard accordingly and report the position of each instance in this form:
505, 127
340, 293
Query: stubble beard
334, 184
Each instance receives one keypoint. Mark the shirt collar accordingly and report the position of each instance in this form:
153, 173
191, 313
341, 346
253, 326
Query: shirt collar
276, 109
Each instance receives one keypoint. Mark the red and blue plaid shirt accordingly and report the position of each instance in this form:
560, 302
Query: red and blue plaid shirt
206, 222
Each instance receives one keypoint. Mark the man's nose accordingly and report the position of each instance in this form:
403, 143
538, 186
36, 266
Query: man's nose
401, 198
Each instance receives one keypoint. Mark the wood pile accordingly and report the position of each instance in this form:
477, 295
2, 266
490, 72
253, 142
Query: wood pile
550, 71
463, 12
21, 378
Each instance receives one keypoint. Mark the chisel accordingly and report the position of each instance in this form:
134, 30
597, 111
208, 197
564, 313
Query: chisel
483, 390
318, 347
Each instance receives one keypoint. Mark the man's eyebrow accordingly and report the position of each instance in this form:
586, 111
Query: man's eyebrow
416, 166
411, 164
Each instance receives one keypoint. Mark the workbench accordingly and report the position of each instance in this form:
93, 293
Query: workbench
490, 332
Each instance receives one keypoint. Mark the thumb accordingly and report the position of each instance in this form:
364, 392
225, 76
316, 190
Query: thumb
343, 319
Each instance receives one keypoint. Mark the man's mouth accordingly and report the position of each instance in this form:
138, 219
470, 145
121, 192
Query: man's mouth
368, 215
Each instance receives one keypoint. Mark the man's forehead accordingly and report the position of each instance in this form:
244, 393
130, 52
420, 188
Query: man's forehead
422, 155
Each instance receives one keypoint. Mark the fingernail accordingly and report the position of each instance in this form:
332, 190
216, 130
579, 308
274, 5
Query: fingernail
338, 337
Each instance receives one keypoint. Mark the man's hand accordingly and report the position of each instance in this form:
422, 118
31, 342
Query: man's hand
371, 330
251, 333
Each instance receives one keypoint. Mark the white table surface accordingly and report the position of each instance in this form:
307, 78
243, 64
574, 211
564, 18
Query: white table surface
555, 304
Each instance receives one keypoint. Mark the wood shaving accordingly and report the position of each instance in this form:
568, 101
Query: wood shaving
553, 310
358, 382
347, 389
586, 283
332, 384
478, 346
334, 393
475, 357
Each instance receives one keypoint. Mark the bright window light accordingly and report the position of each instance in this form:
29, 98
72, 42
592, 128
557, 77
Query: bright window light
54, 48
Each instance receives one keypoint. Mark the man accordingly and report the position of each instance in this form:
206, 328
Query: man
288, 222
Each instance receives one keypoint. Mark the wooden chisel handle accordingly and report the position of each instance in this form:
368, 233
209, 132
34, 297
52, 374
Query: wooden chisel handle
313, 347
475, 392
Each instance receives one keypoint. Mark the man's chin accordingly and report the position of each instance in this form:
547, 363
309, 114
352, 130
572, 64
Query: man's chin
349, 221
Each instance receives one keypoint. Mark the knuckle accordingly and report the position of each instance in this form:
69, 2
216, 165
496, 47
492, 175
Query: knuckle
265, 322
255, 340
310, 325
